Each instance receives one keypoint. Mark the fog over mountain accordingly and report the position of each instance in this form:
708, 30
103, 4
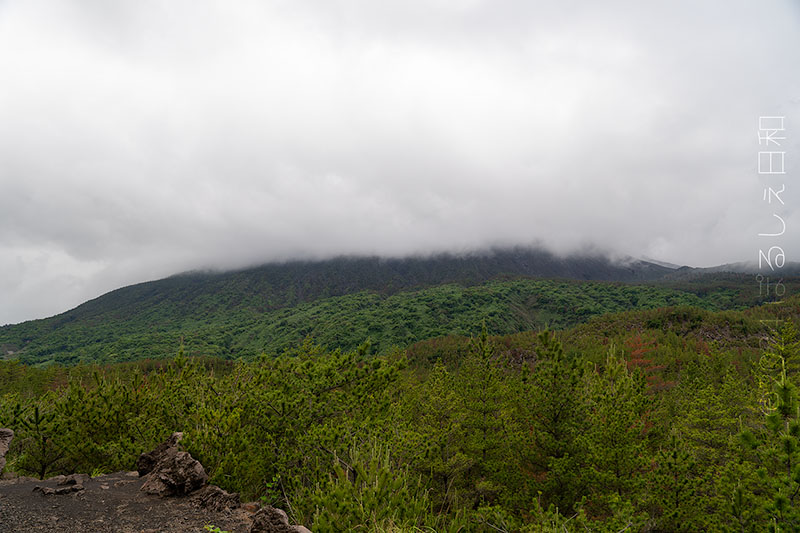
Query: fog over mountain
140, 139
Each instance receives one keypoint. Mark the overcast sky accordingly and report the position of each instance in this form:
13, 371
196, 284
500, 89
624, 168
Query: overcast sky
143, 138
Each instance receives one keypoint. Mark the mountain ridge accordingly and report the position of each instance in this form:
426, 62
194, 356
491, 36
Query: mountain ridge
271, 307
392, 274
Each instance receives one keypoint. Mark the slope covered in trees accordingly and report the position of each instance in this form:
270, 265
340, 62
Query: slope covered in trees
339, 303
670, 419
398, 319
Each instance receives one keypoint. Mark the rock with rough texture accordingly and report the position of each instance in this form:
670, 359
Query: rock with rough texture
148, 461
271, 520
5, 441
216, 499
169, 471
251, 507
60, 491
73, 479
45, 491
64, 485
176, 474
69, 489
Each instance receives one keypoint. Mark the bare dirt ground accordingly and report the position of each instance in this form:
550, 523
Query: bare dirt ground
108, 503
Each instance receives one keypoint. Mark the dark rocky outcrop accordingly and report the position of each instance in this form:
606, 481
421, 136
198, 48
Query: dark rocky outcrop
170, 471
272, 520
60, 491
73, 479
5, 441
105, 502
65, 485
215, 499
147, 461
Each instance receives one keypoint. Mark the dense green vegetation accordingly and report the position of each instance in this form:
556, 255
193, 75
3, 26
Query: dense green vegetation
209, 323
361, 396
669, 419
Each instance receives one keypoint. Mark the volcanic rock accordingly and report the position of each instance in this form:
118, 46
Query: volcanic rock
170, 471
5, 440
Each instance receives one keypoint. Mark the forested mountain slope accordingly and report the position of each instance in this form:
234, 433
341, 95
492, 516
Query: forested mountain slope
342, 302
668, 419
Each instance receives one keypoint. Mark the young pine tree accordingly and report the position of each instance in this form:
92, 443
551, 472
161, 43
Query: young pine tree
556, 411
776, 445
436, 437
676, 488
778, 449
616, 440
484, 397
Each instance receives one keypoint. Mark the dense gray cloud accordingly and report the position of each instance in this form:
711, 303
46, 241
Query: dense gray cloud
143, 138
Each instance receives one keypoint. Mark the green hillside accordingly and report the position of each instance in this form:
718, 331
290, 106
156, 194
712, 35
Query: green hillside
666, 419
279, 285
402, 318
342, 302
